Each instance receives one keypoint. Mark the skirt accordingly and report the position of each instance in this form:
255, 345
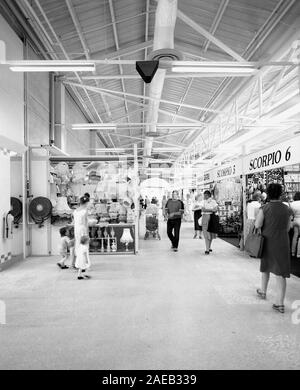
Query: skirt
206, 234
197, 215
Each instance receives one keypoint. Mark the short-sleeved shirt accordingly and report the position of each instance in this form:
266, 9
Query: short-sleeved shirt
64, 244
174, 206
209, 204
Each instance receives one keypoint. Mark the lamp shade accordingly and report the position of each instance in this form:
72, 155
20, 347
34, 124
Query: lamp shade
126, 236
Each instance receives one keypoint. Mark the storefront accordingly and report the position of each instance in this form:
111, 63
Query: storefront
277, 164
225, 183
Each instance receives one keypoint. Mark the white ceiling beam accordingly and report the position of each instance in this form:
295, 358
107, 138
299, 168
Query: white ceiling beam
216, 22
145, 56
209, 36
85, 47
145, 105
115, 33
71, 35
142, 97
65, 54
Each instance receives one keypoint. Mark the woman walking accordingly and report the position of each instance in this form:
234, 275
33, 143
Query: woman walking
197, 215
274, 220
209, 206
81, 227
295, 206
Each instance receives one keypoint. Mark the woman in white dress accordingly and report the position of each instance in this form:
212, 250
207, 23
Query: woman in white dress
81, 227
209, 206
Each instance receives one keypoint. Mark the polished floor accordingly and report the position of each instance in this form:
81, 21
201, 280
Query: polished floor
156, 310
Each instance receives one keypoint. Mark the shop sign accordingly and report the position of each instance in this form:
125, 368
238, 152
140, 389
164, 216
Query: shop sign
287, 153
229, 170
223, 172
208, 176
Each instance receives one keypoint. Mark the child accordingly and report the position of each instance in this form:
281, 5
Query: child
82, 257
70, 234
63, 247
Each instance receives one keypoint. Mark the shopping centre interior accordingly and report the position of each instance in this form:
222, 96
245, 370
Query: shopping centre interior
130, 102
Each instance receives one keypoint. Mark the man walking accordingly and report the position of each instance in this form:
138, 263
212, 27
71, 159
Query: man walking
174, 210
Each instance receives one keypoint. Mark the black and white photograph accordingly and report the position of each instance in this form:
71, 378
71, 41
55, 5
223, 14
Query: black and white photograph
150, 189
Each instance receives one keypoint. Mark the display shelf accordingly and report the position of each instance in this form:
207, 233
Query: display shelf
101, 236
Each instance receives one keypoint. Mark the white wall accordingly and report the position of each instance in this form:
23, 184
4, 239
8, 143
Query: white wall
16, 191
78, 142
5, 245
11, 120
40, 187
11, 88
38, 105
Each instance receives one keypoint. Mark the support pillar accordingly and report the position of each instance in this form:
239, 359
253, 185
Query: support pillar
60, 133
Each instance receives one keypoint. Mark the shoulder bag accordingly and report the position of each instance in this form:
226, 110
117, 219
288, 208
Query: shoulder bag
254, 243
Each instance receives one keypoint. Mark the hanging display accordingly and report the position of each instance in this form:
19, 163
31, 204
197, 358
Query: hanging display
112, 190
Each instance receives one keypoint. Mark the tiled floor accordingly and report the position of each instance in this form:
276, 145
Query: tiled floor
156, 310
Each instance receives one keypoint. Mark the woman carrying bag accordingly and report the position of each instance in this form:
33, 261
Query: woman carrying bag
197, 216
209, 207
274, 220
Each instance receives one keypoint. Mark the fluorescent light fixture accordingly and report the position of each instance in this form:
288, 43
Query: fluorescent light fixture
110, 150
94, 126
155, 150
51, 66
220, 70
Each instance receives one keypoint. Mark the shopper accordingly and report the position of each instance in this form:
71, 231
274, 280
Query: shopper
70, 234
253, 207
274, 220
173, 212
81, 221
197, 215
83, 259
163, 204
295, 207
209, 206
63, 247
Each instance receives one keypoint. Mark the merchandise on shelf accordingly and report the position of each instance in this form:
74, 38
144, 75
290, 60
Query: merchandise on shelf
228, 194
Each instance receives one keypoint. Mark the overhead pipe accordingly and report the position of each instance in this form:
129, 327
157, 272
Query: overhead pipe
163, 48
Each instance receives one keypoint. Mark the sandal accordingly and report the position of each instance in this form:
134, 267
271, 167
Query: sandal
279, 308
261, 294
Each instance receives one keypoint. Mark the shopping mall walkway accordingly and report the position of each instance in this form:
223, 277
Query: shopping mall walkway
157, 310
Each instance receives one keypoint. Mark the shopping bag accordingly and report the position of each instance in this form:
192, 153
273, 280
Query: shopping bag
200, 221
254, 244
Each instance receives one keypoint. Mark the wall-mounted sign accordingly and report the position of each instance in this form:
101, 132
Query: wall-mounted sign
287, 153
224, 171
229, 170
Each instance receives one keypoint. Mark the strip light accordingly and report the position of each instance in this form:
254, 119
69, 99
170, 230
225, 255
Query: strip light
94, 126
51, 66
220, 70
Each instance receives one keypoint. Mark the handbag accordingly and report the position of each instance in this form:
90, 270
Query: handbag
213, 224
200, 221
254, 244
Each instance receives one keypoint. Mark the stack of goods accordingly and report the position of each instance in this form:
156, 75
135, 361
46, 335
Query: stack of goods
130, 216
101, 210
79, 173
61, 211
123, 214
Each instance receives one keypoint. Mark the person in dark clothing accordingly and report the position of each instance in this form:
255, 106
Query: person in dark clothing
274, 220
173, 212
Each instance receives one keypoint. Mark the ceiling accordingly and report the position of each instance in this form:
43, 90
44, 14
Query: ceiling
113, 29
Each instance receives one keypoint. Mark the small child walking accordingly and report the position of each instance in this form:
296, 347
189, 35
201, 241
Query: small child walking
63, 247
82, 258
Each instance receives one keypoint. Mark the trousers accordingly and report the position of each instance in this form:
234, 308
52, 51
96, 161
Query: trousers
174, 224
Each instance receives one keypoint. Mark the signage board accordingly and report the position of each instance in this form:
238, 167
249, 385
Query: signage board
286, 153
